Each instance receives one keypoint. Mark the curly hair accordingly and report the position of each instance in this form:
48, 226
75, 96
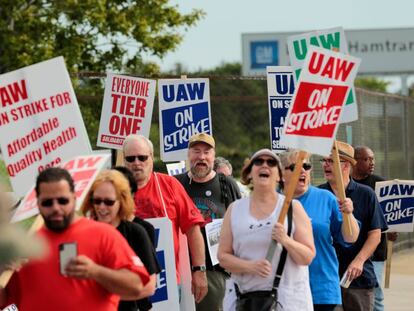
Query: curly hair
123, 194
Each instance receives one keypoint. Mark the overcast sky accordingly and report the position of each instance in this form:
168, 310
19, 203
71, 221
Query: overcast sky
217, 37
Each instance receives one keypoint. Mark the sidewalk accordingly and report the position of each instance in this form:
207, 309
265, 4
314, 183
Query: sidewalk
400, 295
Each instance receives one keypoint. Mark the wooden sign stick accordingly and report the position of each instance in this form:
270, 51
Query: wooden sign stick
119, 158
289, 192
388, 264
7, 274
340, 186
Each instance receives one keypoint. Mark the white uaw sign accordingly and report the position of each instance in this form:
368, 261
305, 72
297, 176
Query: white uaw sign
127, 109
322, 89
40, 121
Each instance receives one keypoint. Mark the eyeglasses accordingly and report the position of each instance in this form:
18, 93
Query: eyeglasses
107, 202
141, 158
306, 166
329, 161
269, 162
49, 202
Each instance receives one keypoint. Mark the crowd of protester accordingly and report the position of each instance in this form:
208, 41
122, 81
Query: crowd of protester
116, 267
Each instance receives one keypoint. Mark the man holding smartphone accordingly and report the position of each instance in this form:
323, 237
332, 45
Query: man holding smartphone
104, 270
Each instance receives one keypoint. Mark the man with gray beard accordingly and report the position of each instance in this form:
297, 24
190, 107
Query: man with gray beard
212, 193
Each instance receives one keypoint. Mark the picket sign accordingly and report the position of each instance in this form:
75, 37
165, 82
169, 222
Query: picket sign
290, 190
340, 186
396, 200
126, 109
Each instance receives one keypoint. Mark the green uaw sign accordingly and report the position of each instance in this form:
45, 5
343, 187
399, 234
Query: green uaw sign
331, 39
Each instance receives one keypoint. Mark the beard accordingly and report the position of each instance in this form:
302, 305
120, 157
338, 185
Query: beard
200, 170
58, 226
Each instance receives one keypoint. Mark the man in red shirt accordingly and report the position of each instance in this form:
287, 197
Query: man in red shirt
104, 270
160, 195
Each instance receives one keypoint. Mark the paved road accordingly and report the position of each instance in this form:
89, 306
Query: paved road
400, 295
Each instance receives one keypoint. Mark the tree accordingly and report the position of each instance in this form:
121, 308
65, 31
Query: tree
372, 84
92, 35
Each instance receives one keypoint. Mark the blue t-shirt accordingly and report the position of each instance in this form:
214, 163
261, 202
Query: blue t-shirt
368, 212
322, 208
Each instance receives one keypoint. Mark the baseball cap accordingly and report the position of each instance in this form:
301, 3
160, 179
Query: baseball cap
201, 138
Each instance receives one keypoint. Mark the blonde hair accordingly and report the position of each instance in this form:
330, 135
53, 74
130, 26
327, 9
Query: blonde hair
289, 156
122, 190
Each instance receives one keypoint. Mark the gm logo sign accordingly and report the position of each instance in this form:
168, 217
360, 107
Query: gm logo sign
264, 53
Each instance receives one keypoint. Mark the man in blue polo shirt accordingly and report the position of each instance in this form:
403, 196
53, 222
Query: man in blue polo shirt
355, 260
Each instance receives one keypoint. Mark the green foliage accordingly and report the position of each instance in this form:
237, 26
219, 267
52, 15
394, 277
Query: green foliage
4, 178
92, 35
237, 105
372, 84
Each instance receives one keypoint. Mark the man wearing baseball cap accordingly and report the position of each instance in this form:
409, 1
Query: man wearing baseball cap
354, 261
212, 193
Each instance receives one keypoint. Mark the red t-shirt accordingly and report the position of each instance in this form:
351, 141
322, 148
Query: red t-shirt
180, 208
40, 286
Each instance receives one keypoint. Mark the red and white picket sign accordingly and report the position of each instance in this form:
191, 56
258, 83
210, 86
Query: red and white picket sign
127, 109
40, 121
83, 169
313, 117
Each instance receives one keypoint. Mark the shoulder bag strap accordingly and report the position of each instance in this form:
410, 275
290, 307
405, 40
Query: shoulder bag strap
160, 194
283, 256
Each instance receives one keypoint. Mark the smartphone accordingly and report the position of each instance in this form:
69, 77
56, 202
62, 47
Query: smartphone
345, 281
67, 251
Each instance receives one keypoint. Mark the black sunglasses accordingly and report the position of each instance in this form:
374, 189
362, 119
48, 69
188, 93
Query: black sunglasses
269, 162
107, 202
49, 202
141, 158
306, 166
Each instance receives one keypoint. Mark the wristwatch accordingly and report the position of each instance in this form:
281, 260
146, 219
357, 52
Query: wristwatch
201, 268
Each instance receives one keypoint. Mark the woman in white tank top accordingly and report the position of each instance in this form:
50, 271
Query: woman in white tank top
247, 230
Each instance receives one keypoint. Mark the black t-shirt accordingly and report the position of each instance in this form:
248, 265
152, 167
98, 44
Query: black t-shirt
140, 242
149, 228
380, 253
212, 199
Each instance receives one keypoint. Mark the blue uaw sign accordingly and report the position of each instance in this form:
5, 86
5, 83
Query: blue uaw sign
396, 198
280, 89
184, 110
166, 293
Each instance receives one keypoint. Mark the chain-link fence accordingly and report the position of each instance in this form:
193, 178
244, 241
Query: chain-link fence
241, 125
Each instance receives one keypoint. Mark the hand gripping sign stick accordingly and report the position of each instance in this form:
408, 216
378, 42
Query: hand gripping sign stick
290, 190
340, 185
7, 274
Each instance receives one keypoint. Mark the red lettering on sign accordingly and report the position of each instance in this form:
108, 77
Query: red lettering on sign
329, 66
316, 109
13, 93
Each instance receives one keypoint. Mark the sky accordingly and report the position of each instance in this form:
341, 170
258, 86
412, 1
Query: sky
217, 37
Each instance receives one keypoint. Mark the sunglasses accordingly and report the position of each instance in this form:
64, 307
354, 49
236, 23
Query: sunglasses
107, 202
49, 202
306, 166
269, 162
329, 161
141, 158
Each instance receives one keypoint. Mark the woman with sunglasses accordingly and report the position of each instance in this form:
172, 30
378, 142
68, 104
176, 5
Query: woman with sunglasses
327, 226
110, 201
248, 227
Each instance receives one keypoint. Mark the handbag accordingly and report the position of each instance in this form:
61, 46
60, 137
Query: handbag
264, 300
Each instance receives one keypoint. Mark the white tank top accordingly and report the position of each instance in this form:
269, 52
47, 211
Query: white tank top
251, 239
